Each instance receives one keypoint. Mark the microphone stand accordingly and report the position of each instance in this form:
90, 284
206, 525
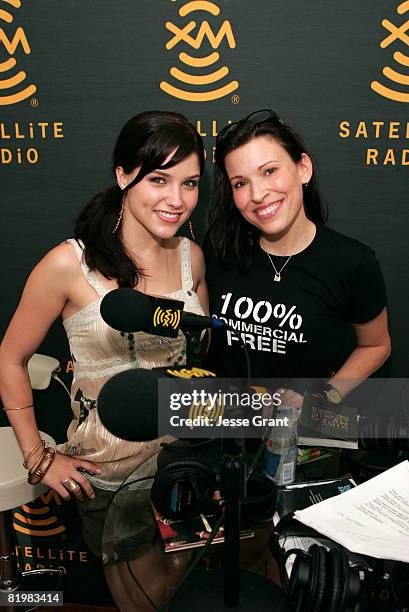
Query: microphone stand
231, 588
193, 347
233, 489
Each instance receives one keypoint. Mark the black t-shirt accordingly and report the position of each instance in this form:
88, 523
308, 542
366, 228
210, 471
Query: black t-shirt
300, 326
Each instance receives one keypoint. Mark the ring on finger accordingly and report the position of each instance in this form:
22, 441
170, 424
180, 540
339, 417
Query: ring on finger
71, 485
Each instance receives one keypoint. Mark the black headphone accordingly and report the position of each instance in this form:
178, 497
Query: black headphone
321, 580
380, 432
399, 582
181, 487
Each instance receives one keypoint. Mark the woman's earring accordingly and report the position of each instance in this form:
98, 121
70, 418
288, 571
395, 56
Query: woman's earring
121, 214
305, 184
191, 230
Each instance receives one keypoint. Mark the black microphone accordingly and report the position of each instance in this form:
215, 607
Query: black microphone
129, 310
128, 404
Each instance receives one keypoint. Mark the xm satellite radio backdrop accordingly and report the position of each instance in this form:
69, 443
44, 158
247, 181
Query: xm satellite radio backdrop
70, 76
73, 72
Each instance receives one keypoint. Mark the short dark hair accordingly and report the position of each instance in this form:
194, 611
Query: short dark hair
145, 141
230, 238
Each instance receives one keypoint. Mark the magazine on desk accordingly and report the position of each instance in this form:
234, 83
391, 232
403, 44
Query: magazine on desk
327, 425
190, 533
302, 495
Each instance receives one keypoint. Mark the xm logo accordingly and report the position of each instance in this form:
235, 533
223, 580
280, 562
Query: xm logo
10, 42
39, 520
396, 35
200, 38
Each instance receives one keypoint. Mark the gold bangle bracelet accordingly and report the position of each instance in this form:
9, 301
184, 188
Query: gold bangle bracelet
38, 463
19, 408
31, 453
35, 460
35, 476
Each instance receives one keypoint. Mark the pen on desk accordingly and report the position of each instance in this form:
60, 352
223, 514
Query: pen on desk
205, 523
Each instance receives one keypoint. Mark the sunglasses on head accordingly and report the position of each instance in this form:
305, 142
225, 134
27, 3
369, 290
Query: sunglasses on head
259, 116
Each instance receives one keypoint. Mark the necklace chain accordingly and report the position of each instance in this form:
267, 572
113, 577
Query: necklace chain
277, 275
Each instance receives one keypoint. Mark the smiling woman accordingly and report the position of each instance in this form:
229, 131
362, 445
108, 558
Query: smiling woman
162, 198
124, 237
289, 287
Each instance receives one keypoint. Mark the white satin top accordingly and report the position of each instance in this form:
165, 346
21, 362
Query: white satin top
98, 352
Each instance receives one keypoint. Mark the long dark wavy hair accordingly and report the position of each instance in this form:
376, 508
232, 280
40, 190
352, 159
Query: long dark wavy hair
146, 140
230, 239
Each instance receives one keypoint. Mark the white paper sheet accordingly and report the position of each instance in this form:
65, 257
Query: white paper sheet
371, 519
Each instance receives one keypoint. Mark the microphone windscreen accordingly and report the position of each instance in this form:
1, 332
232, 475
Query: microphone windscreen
127, 310
128, 405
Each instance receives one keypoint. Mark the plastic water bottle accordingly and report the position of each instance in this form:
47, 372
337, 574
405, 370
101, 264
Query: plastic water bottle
281, 446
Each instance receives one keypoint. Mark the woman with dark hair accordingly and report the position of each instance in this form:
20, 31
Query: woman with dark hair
290, 288
125, 237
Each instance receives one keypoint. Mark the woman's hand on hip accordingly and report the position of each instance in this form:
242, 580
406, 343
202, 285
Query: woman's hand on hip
64, 476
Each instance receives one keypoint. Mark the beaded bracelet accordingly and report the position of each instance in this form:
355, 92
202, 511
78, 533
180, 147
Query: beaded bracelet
36, 475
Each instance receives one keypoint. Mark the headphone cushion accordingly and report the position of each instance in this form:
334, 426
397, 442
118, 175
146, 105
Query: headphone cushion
392, 428
380, 432
363, 432
334, 582
314, 572
403, 432
299, 579
345, 581
163, 487
321, 579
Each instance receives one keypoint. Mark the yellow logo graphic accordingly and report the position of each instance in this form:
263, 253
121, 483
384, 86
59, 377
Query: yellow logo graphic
204, 410
184, 35
167, 318
9, 46
38, 521
191, 373
395, 33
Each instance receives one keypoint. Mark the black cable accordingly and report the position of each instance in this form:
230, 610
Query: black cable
174, 448
111, 502
192, 566
284, 579
140, 586
216, 527
258, 452
246, 358
243, 346
278, 551
189, 570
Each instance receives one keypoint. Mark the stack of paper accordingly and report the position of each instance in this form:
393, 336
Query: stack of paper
370, 519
